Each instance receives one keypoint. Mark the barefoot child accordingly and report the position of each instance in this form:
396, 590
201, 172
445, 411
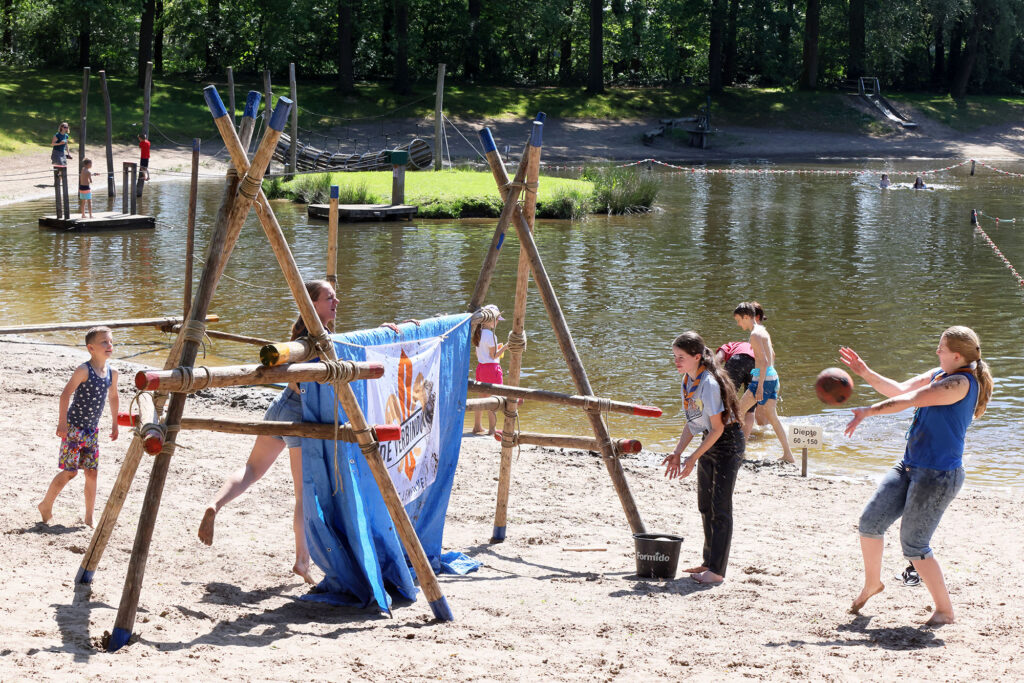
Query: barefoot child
488, 369
144, 146
763, 389
85, 188
78, 426
920, 487
711, 410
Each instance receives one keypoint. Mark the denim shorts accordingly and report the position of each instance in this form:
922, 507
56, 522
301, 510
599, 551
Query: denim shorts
918, 494
771, 390
286, 408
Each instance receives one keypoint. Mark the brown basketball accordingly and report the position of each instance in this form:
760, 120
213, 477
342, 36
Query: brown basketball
833, 386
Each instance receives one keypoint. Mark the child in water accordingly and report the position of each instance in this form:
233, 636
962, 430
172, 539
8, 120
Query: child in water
488, 369
78, 426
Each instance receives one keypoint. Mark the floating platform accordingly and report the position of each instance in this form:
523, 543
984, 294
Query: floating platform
101, 220
365, 212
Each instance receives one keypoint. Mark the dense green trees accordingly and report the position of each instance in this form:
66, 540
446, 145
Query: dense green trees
958, 46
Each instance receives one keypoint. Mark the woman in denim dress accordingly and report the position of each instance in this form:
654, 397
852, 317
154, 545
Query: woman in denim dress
927, 479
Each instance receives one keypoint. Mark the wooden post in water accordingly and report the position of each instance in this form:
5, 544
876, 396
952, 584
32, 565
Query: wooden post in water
231, 95
403, 525
568, 347
294, 149
332, 238
134, 170
126, 190
220, 250
139, 183
64, 191
190, 236
59, 208
438, 121
111, 185
517, 337
399, 160
85, 112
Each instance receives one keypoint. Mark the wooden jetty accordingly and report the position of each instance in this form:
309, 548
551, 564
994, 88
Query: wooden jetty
365, 212
101, 220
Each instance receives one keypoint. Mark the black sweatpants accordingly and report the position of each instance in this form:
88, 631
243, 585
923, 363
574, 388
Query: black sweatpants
716, 479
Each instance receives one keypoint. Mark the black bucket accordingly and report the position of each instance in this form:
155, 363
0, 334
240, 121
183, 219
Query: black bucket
657, 555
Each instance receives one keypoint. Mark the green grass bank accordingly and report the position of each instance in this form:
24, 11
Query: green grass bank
472, 194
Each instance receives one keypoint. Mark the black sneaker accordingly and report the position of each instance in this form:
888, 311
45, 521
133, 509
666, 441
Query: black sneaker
911, 577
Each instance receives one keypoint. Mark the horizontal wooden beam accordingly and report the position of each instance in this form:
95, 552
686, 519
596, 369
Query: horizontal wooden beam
226, 336
112, 324
298, 351
176, 380
563, 399
586, 443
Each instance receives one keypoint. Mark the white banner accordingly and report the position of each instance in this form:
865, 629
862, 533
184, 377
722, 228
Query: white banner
407, 395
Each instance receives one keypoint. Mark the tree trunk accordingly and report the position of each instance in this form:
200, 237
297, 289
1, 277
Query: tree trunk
387, 47
958, 88
595, 67
639, 12
471, 64
855, 56
939, 65
729, 66
402, 85
786, 36
8, 18
565, 72
213, 36
956, 40
84, 37
716, 38
812, 28
158, 41
146, 39
346, 67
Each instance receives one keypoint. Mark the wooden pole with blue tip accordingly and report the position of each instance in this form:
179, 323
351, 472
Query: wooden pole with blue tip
517, 337
332, 238
221, 244
325, 349
572, 358
130, 464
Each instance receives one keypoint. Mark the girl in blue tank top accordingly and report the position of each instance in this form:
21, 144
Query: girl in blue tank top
922, 485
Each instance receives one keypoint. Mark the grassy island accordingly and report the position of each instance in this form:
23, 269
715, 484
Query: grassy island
472, 194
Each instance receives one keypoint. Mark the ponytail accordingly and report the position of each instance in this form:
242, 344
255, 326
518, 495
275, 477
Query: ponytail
984, 377
965, 341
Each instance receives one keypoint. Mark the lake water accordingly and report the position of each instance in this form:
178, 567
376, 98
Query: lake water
834, 260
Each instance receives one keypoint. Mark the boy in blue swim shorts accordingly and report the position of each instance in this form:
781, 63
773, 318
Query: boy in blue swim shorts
91, 385
763, 389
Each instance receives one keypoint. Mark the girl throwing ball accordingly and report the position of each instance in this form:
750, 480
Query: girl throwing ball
927, 479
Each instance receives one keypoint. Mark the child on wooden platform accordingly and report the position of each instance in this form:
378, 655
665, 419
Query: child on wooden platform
78, 426
763, 389
488, 369
144, 156
85, 188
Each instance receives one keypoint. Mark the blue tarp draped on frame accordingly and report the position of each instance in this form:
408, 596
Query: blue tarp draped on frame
350, 533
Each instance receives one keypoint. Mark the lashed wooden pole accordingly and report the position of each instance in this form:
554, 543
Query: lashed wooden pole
545, 396
85, 111
403, 525
332, 238
190, 226
126, 475
191, 380
572, 359
517, 337
222, 243
111, 184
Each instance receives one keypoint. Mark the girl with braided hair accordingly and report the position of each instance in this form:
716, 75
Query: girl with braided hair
921, 486
709, 401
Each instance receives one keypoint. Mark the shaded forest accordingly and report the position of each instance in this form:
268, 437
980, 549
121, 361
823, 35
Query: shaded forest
955, 46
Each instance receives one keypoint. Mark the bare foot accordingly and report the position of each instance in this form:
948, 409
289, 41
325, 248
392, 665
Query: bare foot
788, 460
864, 596
708, 577
46, 511
88, 522
695, 570
939, 619
303, 571
478, 432
206, 526
490, 432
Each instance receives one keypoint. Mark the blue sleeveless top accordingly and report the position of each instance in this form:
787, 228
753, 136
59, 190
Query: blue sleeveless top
936, 437
62, 138
87, 404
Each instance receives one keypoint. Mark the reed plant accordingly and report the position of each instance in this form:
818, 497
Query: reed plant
619, 191
567, 203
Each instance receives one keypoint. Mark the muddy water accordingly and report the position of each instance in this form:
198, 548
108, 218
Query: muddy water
833, 259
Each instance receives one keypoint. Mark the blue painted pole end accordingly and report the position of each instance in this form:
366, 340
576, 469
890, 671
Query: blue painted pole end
252, 103
118, 639
195, 144
488, 141
84, 575
214, 102
498, 535
537, 134
280, 115
441, 610
334, 191
501, 240
541, 117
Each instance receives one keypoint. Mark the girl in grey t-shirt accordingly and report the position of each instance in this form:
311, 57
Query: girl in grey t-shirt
709, 402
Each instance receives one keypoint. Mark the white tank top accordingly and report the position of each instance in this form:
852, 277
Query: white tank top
483, 350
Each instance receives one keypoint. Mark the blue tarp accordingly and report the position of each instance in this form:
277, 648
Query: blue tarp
348, 528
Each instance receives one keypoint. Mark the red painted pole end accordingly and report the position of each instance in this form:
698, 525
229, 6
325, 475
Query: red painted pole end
388, 432
375, 371
647, 411
146, 381
631, 446
153, 441
126, 420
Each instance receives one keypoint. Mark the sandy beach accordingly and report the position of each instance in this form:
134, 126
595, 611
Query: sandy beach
534, 611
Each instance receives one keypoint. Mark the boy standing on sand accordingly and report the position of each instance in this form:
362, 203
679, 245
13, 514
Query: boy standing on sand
78, 426
763, 389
